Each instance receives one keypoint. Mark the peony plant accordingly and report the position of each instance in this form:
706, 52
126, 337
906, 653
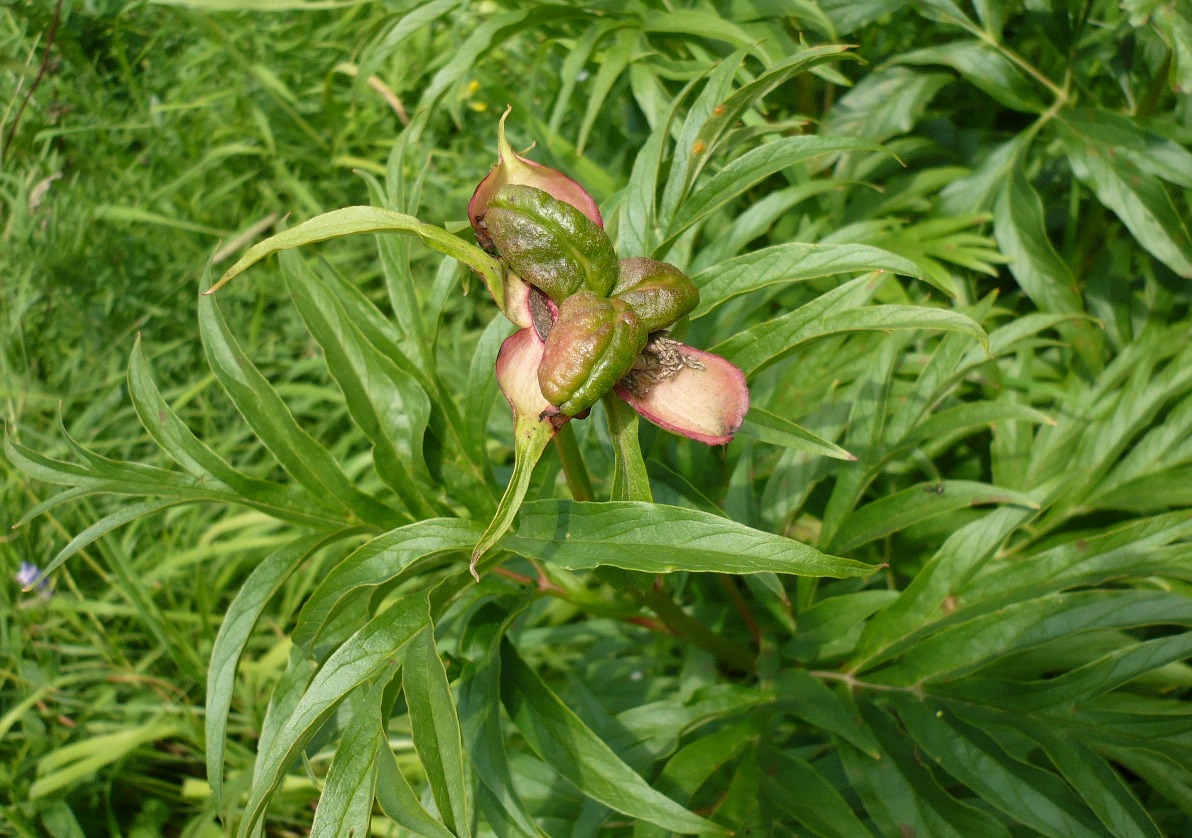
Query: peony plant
591, 325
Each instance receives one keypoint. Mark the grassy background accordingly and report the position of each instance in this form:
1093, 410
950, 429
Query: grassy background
158, 132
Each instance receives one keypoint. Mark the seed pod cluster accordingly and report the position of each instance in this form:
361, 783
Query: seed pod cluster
548, 232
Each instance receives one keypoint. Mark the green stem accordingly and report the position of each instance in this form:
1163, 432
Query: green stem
630, 481
857, 684
1027, 67
685, 627
573, 465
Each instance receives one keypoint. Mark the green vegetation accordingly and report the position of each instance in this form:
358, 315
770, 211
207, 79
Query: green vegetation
938, 585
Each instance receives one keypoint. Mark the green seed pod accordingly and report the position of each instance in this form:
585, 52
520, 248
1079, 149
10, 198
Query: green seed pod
658, 293
591, 346
513, 168
549, 243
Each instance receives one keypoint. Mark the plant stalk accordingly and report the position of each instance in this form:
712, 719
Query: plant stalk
578, 481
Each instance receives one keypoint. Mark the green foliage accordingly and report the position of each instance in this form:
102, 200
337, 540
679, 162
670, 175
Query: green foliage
938, 585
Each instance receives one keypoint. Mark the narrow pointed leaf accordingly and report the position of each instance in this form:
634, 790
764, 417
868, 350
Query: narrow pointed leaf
631, 482
816, 805
350, 221
531, 436
300, 454
570, 747
379, 561
177, 440
662, 539
920, 503
791, 262
770, 342
768, 427
436, 731
752, 168
368, 652
1024, 792
387, 405
400, 803
345, 804
245, 609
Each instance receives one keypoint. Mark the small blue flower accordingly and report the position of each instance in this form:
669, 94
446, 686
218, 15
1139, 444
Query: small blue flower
29, 575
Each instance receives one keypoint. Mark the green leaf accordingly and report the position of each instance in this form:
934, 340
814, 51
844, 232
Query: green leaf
530, 438
687, 155
556, 734
1025, 793
1131, 547
350, 221
1139, 199
791, 262
694, 763
751, 168
180, 443
1094, 780
619, 55
480, 717
963, 419
965, 551
768, 427
698, 24
808, 698
1176, 22
1152, 493
298, 452
732, 109
1169, 777
1018, 223
756, 220
436, 731
378, 562
816, 805
662, 539
577, 57
482, 387
916, 504
756, 348
901, 793
638, 225
286, 694
977, 192
489, 35
1082, 685
1150, 152
986, 68
72, 764
398, 33
830, 627
105, 525
235, 631
345, 804
369, 652
645, 733
849, 15
769, 337
962, 648
946, 11
386, 404
400, 803
884, 104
